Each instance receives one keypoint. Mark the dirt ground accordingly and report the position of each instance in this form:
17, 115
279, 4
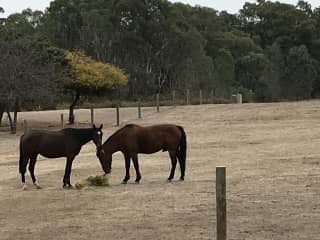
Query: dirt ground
272, 155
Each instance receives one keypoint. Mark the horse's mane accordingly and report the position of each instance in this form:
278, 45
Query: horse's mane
77, 130
120, 130
81, 134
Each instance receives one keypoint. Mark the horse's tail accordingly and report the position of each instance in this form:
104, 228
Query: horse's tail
182, 151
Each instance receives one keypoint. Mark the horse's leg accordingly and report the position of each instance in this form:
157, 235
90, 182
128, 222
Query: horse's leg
127, 163
182, 164
136, 167
23, 169
32, 164
173, 158
67, 173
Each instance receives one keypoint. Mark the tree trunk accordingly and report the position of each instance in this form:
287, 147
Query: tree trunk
12, 129
71, 114
1, 113
15, 117
13, 122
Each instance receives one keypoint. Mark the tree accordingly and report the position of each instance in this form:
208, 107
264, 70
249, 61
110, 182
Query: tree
31, 69
300, 74
141, 37
31, 74
249, 70
88, 76
62, 24
165, 46
272, 73
277, 21
305, 6
224, 64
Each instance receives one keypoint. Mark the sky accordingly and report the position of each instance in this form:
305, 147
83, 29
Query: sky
232, 6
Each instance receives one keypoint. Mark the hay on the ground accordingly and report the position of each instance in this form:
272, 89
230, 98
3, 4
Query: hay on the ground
97, 181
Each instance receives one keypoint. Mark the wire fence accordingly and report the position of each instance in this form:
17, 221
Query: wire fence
111, 112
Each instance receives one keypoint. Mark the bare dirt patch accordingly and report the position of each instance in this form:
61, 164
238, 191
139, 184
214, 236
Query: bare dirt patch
272, 156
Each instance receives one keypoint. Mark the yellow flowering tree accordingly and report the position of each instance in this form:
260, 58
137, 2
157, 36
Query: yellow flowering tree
88, 76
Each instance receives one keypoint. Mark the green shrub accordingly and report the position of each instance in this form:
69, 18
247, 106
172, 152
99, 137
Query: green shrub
97, 181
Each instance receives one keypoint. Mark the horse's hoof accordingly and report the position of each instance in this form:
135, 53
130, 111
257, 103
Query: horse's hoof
24, 187
38, 186
124, 182
181, 179
137, 181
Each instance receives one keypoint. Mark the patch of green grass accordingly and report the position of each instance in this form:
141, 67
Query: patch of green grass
94, 181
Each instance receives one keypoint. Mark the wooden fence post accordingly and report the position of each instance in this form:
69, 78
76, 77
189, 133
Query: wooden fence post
200, 97
211, 96
118, 114
221, 203
139, 108
62, 121
239, 98
92, 115
158, 102
188, 97
25, 125
173, 98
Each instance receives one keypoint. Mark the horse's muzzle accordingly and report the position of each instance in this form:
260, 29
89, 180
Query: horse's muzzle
107, 171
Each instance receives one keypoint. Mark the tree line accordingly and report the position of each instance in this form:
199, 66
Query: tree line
268, 51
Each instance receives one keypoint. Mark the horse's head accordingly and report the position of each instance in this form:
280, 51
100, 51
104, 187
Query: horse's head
105, 159
97, 135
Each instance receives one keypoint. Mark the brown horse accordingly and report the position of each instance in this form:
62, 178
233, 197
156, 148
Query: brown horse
133, 139
54, 144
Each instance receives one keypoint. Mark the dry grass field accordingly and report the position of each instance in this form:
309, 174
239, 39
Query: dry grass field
272, 155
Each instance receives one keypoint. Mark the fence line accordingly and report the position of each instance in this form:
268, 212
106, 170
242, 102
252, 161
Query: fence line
175, 99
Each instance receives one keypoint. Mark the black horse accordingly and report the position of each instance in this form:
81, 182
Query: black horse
133, 139
54, 144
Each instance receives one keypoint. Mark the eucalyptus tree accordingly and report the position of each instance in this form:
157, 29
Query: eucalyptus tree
31, 69
31, 74
164, 46
249, 73
62, 23
224, 64
300, 74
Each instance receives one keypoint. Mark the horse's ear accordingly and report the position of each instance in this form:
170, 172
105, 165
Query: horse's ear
101, 126
94, 126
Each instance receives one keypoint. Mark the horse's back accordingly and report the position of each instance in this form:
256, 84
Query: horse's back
154, 138
47, 143
163, 131
40, 135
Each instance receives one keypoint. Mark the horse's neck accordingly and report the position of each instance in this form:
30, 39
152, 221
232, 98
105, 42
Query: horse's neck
112, 145
83, 135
